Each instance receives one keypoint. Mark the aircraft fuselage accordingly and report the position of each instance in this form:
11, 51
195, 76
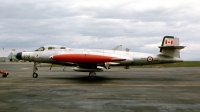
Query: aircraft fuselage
130, 58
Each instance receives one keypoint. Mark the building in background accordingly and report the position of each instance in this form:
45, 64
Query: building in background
7, 56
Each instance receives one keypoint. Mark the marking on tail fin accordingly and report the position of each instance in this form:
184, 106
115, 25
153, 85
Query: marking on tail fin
169, 42
165, 41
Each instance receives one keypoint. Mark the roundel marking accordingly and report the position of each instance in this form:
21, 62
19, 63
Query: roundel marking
149, 59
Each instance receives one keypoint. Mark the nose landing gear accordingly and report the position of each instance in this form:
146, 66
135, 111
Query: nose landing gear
35, 75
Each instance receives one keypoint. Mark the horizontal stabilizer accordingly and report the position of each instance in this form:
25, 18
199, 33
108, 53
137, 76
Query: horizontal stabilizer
170, 46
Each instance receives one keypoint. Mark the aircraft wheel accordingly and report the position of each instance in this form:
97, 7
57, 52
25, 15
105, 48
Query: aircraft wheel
35, 75
92, 75
127, 67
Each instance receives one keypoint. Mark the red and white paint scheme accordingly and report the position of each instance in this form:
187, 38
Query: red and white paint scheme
93, 60
85, 58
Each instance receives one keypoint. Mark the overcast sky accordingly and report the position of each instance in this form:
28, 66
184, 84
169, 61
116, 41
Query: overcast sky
138, 25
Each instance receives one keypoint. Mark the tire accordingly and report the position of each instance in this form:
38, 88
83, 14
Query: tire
35, 75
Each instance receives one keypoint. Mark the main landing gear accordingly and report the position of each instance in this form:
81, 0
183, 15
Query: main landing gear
92, 75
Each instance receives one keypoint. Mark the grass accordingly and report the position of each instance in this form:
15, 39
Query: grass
181, 64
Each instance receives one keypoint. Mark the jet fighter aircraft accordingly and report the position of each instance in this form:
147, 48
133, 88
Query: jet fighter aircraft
93, 60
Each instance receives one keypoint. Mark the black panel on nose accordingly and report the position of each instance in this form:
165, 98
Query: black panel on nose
19, 56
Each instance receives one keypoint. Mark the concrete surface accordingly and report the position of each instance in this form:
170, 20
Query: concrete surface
133, 90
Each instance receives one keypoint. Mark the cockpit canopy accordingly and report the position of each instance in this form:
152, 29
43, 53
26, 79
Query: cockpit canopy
51, 47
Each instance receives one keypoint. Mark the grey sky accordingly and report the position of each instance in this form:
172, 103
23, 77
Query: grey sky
138, 25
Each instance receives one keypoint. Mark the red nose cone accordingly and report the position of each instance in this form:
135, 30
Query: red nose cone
84, 58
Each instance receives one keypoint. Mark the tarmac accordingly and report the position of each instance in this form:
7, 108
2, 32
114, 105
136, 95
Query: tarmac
114, 90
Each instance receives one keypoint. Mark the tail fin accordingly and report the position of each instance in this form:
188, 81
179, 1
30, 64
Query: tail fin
170, 46
119, 48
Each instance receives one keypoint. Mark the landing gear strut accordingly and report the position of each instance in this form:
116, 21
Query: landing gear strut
92, 75
35, 75
64, 68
